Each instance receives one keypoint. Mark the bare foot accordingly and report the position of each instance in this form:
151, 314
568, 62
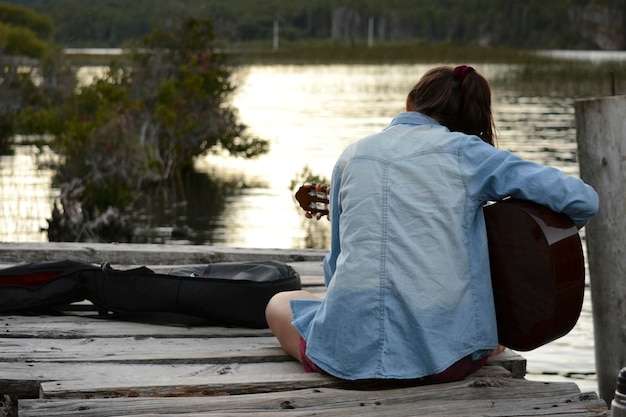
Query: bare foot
497, 350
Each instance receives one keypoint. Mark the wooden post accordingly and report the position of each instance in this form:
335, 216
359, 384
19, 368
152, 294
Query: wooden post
601, 136
276, 36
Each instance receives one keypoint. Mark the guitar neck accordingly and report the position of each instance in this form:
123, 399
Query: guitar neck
313, 198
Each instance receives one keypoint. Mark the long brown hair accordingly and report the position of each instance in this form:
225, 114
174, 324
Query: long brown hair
458, 98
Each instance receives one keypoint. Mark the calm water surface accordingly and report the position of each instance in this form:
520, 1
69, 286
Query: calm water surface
309, 114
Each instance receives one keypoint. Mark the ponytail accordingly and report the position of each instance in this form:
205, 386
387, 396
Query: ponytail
458, 98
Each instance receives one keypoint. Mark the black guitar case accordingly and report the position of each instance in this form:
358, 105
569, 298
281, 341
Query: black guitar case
228, 293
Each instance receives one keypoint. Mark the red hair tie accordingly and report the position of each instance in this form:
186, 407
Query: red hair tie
461, 71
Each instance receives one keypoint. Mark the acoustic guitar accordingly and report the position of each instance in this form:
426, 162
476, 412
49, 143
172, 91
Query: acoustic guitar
537, 268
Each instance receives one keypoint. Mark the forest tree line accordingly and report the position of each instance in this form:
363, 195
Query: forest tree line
555, 24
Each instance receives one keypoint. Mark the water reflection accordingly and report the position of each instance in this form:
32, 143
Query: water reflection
309, 114
26, 195
194, 218
541, 129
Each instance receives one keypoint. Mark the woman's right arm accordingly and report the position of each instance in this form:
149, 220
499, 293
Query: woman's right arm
494, 174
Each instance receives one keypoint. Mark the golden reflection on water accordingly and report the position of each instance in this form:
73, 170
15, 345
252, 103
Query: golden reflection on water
309, 114
26, 196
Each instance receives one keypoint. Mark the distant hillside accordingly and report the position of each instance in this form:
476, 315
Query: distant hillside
555, 24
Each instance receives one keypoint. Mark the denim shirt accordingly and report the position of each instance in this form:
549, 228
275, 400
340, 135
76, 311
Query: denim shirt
409, 286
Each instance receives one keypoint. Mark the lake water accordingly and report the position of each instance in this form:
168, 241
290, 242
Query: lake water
309, 114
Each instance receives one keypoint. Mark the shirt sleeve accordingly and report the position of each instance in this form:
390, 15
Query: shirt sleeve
330, 261
493, 174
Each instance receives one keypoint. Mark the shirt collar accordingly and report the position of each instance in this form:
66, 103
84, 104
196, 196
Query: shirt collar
413, 118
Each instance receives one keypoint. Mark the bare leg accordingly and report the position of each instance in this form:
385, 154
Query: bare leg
278, 315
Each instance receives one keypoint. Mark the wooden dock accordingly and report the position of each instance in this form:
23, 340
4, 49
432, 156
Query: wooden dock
80, 364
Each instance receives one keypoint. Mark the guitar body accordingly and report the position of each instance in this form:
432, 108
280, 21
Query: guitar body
537, 272
537, 268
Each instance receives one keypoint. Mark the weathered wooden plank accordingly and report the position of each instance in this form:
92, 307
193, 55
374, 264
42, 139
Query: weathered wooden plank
310, 268
77, 339
311, 281
24, 379
74, 338
483, 396
451, 408
231, 379
132, 380
29, 361
142, 349
511, 361
147, 254
115, 380
77, 327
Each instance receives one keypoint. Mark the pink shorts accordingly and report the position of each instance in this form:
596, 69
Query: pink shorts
308, 365
456, 372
